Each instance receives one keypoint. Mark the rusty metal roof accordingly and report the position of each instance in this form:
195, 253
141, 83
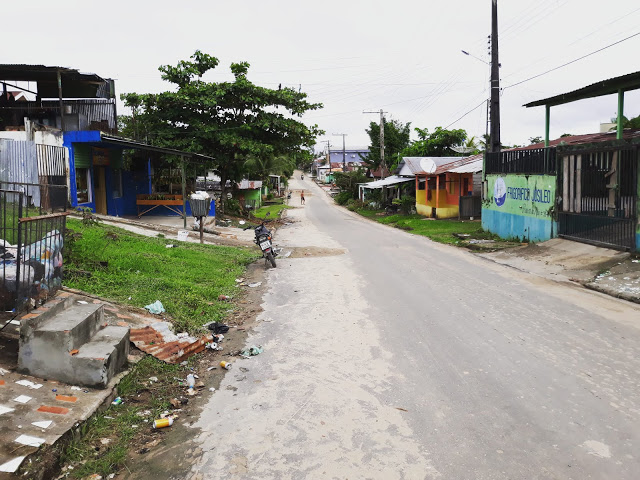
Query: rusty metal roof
157, 339
75, 84
627, 134
437, 165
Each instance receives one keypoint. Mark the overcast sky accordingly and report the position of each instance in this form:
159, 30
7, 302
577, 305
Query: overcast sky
403, 56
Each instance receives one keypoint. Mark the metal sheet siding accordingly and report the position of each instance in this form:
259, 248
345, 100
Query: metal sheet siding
19, 164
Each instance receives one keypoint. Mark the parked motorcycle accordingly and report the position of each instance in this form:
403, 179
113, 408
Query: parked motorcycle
263, 240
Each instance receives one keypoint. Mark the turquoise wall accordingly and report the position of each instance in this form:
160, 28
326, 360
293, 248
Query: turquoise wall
520, 207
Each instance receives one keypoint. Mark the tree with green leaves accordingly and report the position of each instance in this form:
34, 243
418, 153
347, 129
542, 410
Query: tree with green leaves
438, 143
626, 123
229, 121
396, 139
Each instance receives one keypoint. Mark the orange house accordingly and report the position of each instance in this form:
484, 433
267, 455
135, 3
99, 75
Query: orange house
441, 181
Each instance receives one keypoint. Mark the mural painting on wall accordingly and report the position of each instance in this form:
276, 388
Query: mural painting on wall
528, 195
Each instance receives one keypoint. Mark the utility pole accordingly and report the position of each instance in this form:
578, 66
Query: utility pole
344, 151
495, 81
328, 142
383, 165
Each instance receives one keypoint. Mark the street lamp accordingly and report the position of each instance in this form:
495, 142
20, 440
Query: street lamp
477, 58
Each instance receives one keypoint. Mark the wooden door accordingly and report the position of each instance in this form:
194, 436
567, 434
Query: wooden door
100, 190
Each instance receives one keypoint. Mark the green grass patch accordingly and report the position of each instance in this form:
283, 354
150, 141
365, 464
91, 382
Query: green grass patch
274, 210
135, 270
441, 231
104, 440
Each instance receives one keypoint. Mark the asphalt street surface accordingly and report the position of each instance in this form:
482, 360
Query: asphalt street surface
393, 357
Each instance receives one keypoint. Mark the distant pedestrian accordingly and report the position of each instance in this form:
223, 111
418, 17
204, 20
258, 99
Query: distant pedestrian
302, 197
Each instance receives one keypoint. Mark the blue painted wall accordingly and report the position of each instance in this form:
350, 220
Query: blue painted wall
510, 226
134, 182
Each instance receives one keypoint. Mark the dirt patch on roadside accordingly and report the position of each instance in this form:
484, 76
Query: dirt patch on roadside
173, 450
303, 252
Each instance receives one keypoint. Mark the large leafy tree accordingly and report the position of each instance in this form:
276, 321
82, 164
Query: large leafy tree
438, 143
229, 121
396, 138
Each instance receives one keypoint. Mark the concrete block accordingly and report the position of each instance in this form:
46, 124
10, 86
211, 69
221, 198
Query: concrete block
101, 358
72, 327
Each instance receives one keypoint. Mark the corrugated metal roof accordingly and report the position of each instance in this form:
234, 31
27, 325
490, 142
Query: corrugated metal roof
385, 182
627, 134
470, 167
436, 165
158, 340
630, 81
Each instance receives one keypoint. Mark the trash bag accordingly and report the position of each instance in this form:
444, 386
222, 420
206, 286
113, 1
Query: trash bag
216, 327
155, 307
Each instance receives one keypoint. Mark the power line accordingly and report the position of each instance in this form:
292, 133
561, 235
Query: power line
474, 108
572, 61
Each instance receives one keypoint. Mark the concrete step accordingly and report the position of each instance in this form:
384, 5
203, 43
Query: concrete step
101, 358
70, 328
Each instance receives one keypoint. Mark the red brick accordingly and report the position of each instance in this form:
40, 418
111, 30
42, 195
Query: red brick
66, 398
57, 410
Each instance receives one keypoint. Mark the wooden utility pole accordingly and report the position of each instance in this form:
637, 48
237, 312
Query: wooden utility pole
344, 151
495, 81
383, 166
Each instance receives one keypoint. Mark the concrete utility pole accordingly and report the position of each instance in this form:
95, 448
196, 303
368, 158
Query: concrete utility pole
495, 81
383, 165
328, 142
344, 151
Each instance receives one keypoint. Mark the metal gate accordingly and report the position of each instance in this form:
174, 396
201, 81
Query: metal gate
598, 197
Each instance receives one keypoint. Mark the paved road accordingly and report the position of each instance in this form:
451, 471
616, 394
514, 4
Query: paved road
405, 359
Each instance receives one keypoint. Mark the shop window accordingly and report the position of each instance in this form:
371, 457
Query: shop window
82, 185
422, 185
117, 183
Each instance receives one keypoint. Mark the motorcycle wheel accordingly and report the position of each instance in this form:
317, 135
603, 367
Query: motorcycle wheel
272, 259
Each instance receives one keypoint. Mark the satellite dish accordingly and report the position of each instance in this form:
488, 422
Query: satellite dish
462, 149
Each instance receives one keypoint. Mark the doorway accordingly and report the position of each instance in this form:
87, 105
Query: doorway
100, 190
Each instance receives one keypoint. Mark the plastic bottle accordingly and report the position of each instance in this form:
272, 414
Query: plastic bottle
191, 380
163, 422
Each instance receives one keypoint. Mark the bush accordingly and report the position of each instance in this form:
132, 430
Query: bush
354, 205
407, 204
343, 197
232, 207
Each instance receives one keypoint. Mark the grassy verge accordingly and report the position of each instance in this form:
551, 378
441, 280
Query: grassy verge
437, 230
135, 270
274, 210
105, 440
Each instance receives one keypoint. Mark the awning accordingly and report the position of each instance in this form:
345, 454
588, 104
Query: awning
385, 182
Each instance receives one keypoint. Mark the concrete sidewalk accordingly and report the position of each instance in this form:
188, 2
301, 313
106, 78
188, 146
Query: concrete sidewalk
608, 271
